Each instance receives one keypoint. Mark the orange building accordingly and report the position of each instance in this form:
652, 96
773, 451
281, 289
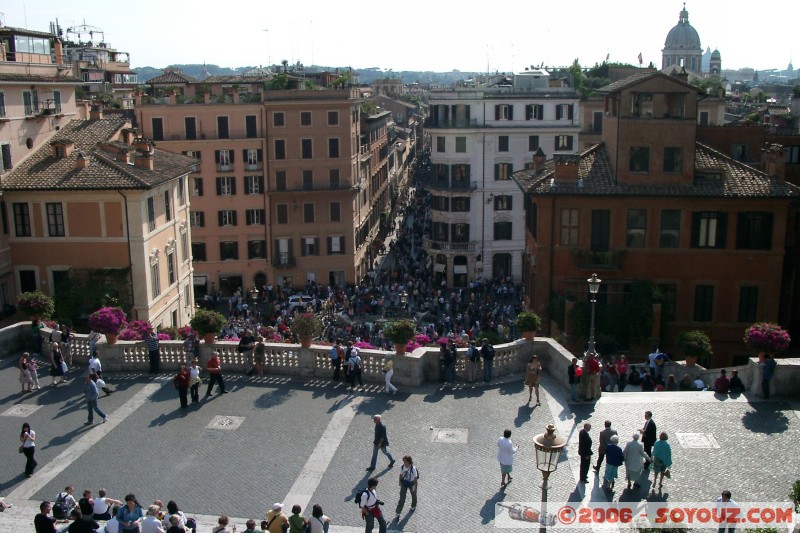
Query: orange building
651, 204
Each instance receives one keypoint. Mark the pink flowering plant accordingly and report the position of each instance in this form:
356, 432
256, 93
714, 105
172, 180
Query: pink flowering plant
35, 304
108, 320
364, 345
184, 332
135, 331
766, 337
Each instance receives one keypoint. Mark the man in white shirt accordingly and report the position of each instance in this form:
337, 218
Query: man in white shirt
370, 507
151, 523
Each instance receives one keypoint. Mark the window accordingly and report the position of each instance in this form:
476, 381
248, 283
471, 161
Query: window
704, 118
748, 304
252, 158
502, 202
739, 152
250, 126
461, 144
226, 186
308, 180
198, 251
167, 206
4, 217
601, 230
226, 217
333, 178
703, 303
792, 154
459, 233
309, 246
440, 203
228, 250
283, 252
333, 118
639, 159
187, 296
184, 246
197, 186
155, 278
503, 171
670, 228
534, 112
224, 159
439, 231
171, 267
278, 118
253, 184
637, 227
502, 231
257, 249
597, 122
280, 180
282, 213
308, 213
197, 219
709, 229
22, 220
460, 173
673, 160
2, 104
255, 217
280, 149
5, 152
190, 127
502, 143
151, 213
181, 192
503, 112
563, 142
222, 128
305, 118
158, 128
55, 219
31, 101
336, 244
533, 143
333, 148
564, 111
569, 227
336, 212
754, 231
305, 148
192, 153
440, 144
460, 204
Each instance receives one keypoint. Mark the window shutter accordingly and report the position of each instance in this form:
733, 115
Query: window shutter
570, 110
260, 180
722, 230
302, 248
316, 246
248, 217
511, 112
219, 186
558, 112
497, 112
695, 230
330, 245
569, 142
260, 153
276, 247
216, 156
233, 218
219, 216
341, 244
528, 112
232, 152
244, 154
541, 111
233, 185
290, 249
496, 171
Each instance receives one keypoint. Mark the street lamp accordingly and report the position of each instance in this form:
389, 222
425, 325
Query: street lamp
254, 297
403, 301
594, 286
548, 452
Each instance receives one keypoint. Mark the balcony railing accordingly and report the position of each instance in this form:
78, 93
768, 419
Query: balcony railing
449, 185
590, 260
284, 260
443, 246
451, 124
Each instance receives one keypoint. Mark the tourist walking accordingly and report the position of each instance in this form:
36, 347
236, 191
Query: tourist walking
614, 459
370, 507
319, 521
33, 372
388, 372
648, 434
215, 375
91, 394
380, 442
191, 346
505, 456
409, 477
635, 458
604, 438
58, 368
153, 349
24, 374
181, 382
533, 371
194, 381
487, 352
724, 501
662, 460
585, 452
27, 439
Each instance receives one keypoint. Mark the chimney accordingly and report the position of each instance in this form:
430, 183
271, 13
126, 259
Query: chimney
96, 113
129, 135
773, 160
82, 161
142, 145
567, 167
683, 75
539, 159
144, 160
59, 51
124, 156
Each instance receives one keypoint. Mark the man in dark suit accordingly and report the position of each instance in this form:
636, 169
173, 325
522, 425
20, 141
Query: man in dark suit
585, 451
649, 435
605, 438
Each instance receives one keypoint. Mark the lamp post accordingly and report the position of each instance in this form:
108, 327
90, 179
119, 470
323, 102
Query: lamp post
403, 301
548, 452
594, 286
254, 297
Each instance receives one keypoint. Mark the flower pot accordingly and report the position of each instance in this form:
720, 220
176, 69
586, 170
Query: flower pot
528, 335
111, 338
400, 349
305, 342
209, 338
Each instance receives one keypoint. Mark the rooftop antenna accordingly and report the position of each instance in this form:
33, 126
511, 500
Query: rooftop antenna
269, 59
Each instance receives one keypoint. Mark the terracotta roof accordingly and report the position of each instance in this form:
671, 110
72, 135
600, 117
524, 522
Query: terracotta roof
44, 172
171, 77
736, 179
32, 78
9, 30
636, 79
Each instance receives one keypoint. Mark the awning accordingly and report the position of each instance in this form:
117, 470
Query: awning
438, 267
200, 280
459, 269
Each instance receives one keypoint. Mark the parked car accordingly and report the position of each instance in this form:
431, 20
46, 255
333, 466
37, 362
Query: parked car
299, 300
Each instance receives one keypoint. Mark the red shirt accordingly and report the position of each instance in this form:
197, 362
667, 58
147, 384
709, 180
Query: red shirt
182, 380
592, 366
213, 365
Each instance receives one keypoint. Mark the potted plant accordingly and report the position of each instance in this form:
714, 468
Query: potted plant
528, 323
35, 304
765, 337
208, 324
693, 345
109, 321
306, 326
400, 332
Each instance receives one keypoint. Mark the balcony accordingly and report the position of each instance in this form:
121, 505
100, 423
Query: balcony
442, 246
224, 167
432, 184
451, 124
252, 166
284, 260
590, 260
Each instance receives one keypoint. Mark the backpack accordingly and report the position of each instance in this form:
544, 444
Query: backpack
359, 494
60, 508
489, 352
661, 358
347, 353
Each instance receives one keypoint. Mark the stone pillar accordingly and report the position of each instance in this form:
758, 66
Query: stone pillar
112, 356
306, 362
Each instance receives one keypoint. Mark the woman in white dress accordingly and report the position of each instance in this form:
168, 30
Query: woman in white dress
635, 457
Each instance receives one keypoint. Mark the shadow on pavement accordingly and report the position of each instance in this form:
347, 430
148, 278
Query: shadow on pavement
488, 510
524, 413
765, 418
65, 438
273, 398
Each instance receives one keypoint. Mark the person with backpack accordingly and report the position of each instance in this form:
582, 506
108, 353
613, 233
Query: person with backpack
354, 365
473, 362
369, 504
348, 351
335, 355
64, 504
487, 352
409, 477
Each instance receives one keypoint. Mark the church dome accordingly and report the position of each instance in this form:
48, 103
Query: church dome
715, 54
683, 36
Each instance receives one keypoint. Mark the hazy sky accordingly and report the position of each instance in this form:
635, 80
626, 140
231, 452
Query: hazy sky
438, 35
